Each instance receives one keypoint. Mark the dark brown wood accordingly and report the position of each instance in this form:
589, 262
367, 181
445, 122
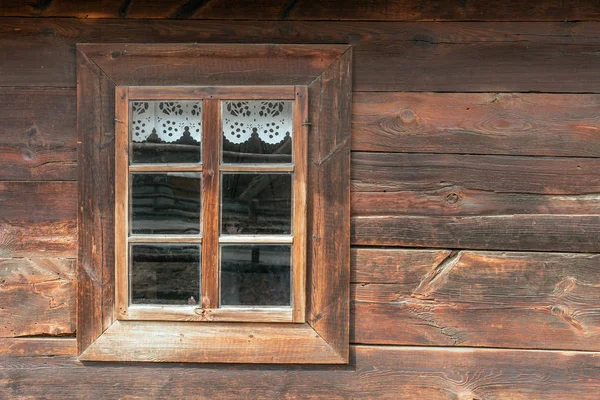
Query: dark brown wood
326, 339
38, 297
482, 299
37, 134
376, 10
374, 372
330, 99
501, 174
210, 203
387, 56
477, 123
96, 204
387, 184
36, 217
189, 64
376, 265
509, 124
421, 291
568, 233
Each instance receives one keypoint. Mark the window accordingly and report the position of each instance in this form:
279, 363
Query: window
214, 203
211, 203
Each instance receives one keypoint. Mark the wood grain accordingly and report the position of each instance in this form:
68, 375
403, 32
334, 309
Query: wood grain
437, 298
37, 297
482, 299
227, 64
96, 201
37, 134
122, 202
252, 343
509, 56
477, 123
567, 233
300, 157
37, 347
208, 92
376, 10
381, 372
328, 205
210, 204
461, 123
38, 219
386, 184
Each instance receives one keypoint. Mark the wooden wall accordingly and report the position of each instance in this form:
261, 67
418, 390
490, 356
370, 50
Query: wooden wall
475, 196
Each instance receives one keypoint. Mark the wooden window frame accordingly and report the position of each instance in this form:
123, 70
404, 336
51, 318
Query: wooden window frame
322, 336
211, 169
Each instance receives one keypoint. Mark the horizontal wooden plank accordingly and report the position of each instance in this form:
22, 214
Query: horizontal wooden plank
37, 138
511, 56
566, 233
38, 219
477, 123
37, 297
35, 347
501, 174
387, 184
483, 299
375, 372
384, 10
37, 134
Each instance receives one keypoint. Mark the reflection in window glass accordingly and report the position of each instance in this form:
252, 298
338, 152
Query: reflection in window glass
257, 131
255, 275
166, 131
255, 203
165, 203
165, 274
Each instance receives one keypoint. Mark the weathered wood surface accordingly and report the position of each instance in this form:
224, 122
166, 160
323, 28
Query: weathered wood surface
376, 10
483, 299
38, 219
477, 123
385, 184
375, 373
551, 57
328, 205
567, 233
399, 296
36, 347
95, 201
37, 134
37, 297
206, 64
477, 202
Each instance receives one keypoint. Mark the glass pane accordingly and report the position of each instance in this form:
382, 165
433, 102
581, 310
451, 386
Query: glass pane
253, 203
165, 274
165, 203
255, 275
166, 131
257, 131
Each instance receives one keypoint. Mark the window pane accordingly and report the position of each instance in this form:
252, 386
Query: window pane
166, 131
255, 203
165, 203
257, 131
255, 275
165, 274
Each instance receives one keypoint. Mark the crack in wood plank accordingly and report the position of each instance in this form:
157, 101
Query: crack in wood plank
437, 277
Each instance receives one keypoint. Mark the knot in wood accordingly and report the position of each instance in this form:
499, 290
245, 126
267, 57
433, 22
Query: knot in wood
452, 198
407, 116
